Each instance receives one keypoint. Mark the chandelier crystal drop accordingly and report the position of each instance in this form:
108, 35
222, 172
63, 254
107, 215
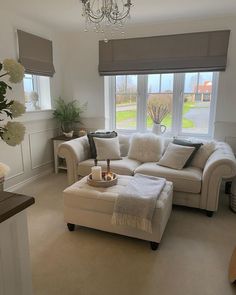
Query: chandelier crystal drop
106, 16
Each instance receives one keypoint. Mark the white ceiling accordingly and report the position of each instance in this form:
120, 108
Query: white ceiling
66, 14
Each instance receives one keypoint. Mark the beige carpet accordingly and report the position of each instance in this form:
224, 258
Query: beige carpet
193, 257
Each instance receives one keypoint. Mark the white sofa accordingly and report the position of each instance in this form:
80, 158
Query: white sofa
193, 187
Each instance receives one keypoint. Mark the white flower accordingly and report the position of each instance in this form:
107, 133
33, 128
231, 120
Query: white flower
14, 69
4, 170
14, 133
17, 109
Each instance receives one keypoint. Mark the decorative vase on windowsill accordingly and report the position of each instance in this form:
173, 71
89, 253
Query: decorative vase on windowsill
158, 111
158, 129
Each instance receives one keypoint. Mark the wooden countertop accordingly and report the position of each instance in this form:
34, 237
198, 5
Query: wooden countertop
12, 203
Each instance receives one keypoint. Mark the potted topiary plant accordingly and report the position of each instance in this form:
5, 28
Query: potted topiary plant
68, 114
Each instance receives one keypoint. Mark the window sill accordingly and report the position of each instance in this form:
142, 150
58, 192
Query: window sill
36, 115
166, 134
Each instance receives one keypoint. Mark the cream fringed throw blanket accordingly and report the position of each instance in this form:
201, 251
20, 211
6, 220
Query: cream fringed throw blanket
136, 203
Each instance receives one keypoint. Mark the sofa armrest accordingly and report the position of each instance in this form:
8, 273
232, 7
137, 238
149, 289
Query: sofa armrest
74, 151
220, 165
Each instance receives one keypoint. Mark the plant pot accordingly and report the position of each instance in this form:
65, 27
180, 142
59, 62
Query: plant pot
158, 128
69, 134
67, 126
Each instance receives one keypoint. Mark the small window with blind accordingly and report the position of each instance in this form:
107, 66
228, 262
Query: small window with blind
36, 55
188, 97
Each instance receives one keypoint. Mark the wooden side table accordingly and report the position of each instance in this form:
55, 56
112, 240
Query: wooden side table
59, 162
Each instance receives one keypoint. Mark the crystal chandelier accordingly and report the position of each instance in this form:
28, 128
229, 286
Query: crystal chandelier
106, 16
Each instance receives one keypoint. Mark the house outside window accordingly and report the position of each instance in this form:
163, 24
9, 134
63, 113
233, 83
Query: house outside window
190, 97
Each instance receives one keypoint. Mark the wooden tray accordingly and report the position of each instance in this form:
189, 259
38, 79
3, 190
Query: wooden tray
102, 183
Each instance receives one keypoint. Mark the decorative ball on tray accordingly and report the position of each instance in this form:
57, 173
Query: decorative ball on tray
101, 179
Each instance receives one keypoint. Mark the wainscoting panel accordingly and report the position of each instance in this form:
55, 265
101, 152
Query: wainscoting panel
34, 156
41, 150
13, 157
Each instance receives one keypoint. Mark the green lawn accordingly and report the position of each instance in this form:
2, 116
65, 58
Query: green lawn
130, 117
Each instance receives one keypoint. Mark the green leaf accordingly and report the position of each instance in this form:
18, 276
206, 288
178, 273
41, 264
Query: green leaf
0, 66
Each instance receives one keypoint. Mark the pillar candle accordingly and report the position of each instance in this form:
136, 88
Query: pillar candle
97, 173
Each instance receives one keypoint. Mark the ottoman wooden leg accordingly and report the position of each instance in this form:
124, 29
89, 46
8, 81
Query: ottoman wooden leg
71, 226
154, 246
209, 213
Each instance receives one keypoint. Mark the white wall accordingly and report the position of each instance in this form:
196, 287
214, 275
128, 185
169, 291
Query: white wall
83, 82
34, 155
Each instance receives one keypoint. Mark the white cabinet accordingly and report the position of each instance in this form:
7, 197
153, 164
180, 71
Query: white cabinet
15, 273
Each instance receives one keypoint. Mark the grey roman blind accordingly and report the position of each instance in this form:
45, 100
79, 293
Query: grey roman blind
35, 54
204, 51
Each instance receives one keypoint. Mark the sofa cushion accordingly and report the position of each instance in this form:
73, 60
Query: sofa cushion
124, 141
124, 166
203, 154
183, 142
145, 147
176, 156
91, 135
107, 148
185, 180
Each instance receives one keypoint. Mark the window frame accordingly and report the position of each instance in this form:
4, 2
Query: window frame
178, 92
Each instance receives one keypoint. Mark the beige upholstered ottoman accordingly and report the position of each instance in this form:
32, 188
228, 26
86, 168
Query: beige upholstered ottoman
93, 207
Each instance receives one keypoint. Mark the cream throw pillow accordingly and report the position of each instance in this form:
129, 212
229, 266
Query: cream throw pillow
107, 148
176, 156
145, 147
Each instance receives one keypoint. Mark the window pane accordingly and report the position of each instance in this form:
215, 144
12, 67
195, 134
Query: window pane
190, 84
120, 84
28, 86
154, 83
205, 82
167, 82
126, 111
126, 102
196, 106
131, 86
126, 84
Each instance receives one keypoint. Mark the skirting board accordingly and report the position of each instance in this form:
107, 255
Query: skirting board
29, 180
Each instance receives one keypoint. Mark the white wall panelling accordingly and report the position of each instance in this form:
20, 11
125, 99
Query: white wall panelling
13, 157
41, 149
15, 274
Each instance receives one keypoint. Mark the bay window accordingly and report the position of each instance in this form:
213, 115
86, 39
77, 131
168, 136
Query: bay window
190, 98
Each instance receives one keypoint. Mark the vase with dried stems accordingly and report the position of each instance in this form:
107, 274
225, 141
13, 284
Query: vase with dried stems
158, 111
